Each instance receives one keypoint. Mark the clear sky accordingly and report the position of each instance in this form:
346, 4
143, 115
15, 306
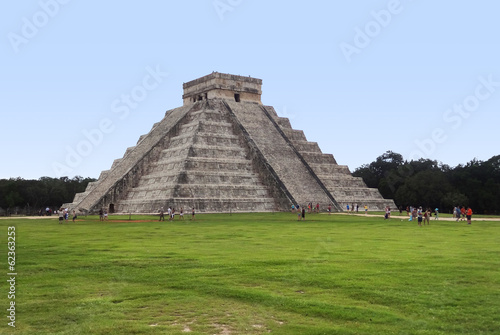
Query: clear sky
421, 77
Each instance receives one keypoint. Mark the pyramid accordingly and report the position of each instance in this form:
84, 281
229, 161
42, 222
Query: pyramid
223, 151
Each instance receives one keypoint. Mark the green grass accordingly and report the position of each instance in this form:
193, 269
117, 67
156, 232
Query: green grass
254, 274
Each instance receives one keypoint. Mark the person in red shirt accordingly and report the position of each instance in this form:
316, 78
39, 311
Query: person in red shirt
469, 215
462, 211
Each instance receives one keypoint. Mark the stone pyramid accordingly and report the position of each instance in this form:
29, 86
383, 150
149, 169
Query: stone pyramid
224, 151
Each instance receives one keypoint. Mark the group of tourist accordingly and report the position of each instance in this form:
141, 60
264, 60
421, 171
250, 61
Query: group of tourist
64, 215
418, 214
103, 215
301, 211
310, 208
171, 214
461, 214
353, 207
316, 209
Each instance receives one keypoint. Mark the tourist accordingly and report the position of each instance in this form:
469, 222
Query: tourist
329, 209
169, 211
74, 215
101, 215
347, 208
162, 214
366, 209
181, 214
299, 213
105, 215
457, 213
173, 214
192, 215
420, 216
427, 216
436, 211
317, 207
293, 208
303, 213
462, 212
357, 208
469, 215
61, 216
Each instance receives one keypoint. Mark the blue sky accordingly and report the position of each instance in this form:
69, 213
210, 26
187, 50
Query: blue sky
421, 78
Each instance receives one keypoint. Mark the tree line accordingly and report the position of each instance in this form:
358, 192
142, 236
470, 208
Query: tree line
430, 184
24, 196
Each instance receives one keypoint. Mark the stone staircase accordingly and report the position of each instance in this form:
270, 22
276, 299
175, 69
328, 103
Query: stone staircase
205, 165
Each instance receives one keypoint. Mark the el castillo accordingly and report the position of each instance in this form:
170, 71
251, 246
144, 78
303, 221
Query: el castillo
224, 151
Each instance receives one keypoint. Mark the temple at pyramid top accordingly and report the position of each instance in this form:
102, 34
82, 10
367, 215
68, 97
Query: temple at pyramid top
224, 151
223, 86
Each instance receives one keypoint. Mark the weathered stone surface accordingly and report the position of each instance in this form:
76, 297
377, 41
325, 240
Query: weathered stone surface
224, 151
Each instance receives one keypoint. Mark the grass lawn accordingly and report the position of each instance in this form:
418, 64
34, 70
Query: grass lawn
253, 274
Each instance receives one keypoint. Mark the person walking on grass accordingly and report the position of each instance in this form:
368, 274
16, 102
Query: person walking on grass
192, 215
61, 216
181, 214
303, 214
468, 213
436, 211
162, 214
299, 213
427, 216
74, 215
457, 213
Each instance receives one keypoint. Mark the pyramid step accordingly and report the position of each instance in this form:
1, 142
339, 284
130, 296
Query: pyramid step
334, 183
221, 179
318, 158
306, 146
320, 168
294, 135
